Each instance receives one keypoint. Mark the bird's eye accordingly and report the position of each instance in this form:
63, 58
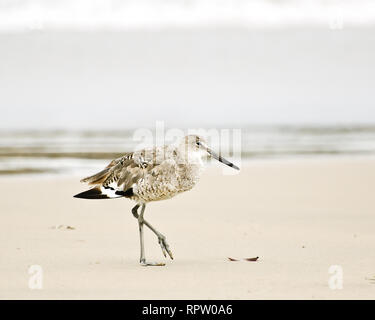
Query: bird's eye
198, 143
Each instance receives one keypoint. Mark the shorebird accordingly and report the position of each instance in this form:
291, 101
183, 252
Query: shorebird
152, 175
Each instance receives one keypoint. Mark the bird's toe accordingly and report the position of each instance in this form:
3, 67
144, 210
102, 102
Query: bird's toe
152, 264
165, 247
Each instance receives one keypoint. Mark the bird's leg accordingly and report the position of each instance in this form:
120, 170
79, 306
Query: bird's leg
142, 259
141, 222
162, 240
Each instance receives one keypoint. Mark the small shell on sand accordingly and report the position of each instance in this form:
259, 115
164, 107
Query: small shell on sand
246, 259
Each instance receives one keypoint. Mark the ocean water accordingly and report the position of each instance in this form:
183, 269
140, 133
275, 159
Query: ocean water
84, 152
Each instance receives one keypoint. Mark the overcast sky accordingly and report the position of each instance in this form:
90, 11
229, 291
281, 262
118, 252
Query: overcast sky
219, 76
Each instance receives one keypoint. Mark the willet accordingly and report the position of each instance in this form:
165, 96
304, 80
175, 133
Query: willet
151, 175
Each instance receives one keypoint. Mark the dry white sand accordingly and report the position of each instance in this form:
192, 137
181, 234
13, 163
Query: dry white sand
300, 217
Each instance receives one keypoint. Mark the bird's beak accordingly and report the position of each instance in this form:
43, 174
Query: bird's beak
221, 159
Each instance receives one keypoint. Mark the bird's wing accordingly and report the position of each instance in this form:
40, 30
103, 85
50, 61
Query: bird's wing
119, 177
123, 172
109, 170
116, 180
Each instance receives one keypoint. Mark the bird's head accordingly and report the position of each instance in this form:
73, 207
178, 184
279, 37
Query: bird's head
196, 144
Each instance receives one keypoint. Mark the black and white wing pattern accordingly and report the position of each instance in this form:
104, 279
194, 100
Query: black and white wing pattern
124, 174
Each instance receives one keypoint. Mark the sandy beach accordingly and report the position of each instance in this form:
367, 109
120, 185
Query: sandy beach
299, 216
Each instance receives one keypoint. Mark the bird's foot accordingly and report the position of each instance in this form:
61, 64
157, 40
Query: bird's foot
165, 247
151, 264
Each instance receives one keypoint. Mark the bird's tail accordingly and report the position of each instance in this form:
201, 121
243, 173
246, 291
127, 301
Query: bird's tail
104, 193
94, 193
